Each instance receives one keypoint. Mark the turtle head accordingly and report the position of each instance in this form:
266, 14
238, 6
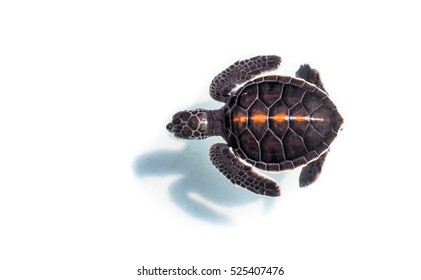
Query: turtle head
191, 124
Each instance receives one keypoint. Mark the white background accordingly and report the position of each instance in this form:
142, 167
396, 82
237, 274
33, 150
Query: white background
94, 187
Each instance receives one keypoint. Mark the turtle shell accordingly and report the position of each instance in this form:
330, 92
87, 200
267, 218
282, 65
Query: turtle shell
278, 123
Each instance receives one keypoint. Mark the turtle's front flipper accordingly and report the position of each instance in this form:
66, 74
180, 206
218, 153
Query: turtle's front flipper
310, 75
241, 71
311, 172
241, 173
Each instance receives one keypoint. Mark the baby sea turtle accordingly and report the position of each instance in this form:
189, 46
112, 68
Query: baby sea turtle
273, 123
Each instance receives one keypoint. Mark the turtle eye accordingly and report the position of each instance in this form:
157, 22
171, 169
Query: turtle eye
184, 116
176, 121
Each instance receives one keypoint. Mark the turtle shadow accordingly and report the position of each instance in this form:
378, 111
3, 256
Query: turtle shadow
201, 191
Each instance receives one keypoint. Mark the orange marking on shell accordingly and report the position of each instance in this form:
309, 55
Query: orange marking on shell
259, 118
300, 118
281, 117
240, 118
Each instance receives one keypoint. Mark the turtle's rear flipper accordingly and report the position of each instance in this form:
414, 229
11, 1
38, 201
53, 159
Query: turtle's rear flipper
310, 75
311, 172
241, 71
241, 173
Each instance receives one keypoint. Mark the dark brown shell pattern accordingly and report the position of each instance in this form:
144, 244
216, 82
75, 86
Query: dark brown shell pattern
278, 123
